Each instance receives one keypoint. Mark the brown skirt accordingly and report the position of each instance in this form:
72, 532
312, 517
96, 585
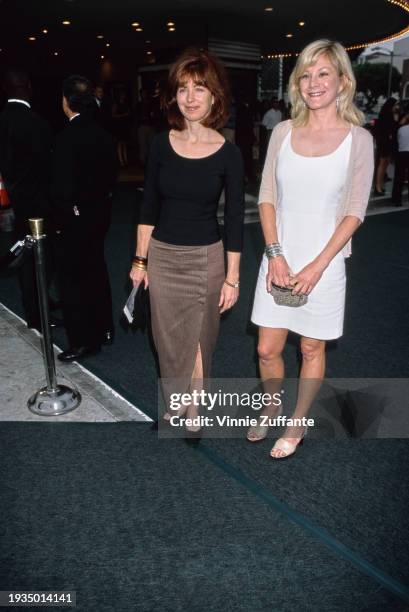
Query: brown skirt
184, 287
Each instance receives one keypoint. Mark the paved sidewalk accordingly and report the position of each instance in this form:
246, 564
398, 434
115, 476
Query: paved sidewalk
22, 374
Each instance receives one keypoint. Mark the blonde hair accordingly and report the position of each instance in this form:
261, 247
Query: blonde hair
341, 62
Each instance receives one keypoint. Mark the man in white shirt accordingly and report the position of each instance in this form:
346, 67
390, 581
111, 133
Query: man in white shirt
402, 162
270, 119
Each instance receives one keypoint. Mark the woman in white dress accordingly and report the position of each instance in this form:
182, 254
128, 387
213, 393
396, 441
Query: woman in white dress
314, 192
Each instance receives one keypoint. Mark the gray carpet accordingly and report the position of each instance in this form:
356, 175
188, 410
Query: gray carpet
136, 523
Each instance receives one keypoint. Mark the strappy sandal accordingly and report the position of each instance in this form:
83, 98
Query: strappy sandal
179, 412
192, 428
288, 448
257, 433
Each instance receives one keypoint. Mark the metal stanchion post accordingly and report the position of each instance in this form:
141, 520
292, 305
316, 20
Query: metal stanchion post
54, 399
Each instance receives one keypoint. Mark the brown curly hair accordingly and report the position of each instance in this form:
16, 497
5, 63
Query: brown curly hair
205, 70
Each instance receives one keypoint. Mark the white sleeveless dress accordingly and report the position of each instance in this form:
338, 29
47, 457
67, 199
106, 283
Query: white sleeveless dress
309, 189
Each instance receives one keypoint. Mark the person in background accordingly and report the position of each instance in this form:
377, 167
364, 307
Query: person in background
313, 196
84, 176
103, 108
270, 119
229, 130
145, 129
178, 245
282, 107
121, 125
25, 155
385, 138
159, 119
245, 136
402, 161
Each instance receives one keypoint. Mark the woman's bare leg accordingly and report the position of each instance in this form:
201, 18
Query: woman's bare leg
311, 375
197, 385
271, 342
270, 347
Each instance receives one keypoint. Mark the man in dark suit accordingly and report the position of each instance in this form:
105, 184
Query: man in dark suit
84, 175
25, 149
103, 108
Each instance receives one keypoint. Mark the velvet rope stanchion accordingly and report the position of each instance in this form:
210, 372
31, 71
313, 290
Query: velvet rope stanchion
54, 399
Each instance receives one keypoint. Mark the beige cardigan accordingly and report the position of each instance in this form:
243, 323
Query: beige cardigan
358, 183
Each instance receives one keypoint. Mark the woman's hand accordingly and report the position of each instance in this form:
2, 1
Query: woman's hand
228, 297
278, 273
306, 279
138, 276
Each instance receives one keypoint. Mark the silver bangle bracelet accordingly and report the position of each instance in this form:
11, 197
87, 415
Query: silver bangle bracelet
273, 250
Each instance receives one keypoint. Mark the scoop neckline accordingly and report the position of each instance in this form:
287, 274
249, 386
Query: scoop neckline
319, 156
193, 158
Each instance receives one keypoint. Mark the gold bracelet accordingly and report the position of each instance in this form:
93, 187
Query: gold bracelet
234, 285
139, 266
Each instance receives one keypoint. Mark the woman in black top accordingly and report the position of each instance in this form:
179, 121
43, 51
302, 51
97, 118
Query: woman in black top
187, 170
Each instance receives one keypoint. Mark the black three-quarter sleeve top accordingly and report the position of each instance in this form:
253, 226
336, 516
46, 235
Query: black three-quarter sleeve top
181, 195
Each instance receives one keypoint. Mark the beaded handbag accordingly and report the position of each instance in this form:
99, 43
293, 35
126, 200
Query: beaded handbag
283, 296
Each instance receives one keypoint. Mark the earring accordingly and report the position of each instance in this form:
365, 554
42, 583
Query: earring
337, 103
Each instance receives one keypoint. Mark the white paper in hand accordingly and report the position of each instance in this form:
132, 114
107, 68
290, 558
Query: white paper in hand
130, 305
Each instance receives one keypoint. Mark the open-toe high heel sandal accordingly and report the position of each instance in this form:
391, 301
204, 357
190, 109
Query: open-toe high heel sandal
192, 429
181, 411
257, 433
286, 448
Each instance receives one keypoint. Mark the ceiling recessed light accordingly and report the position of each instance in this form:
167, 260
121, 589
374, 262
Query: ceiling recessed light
138, 30
301, 23
170, 23
289, 35
31, 38
55, 52
44, 31
149, 52
147, 42
102, 56
66, 22
171, 29
268, 9
107, 45
100, 36
135, 24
